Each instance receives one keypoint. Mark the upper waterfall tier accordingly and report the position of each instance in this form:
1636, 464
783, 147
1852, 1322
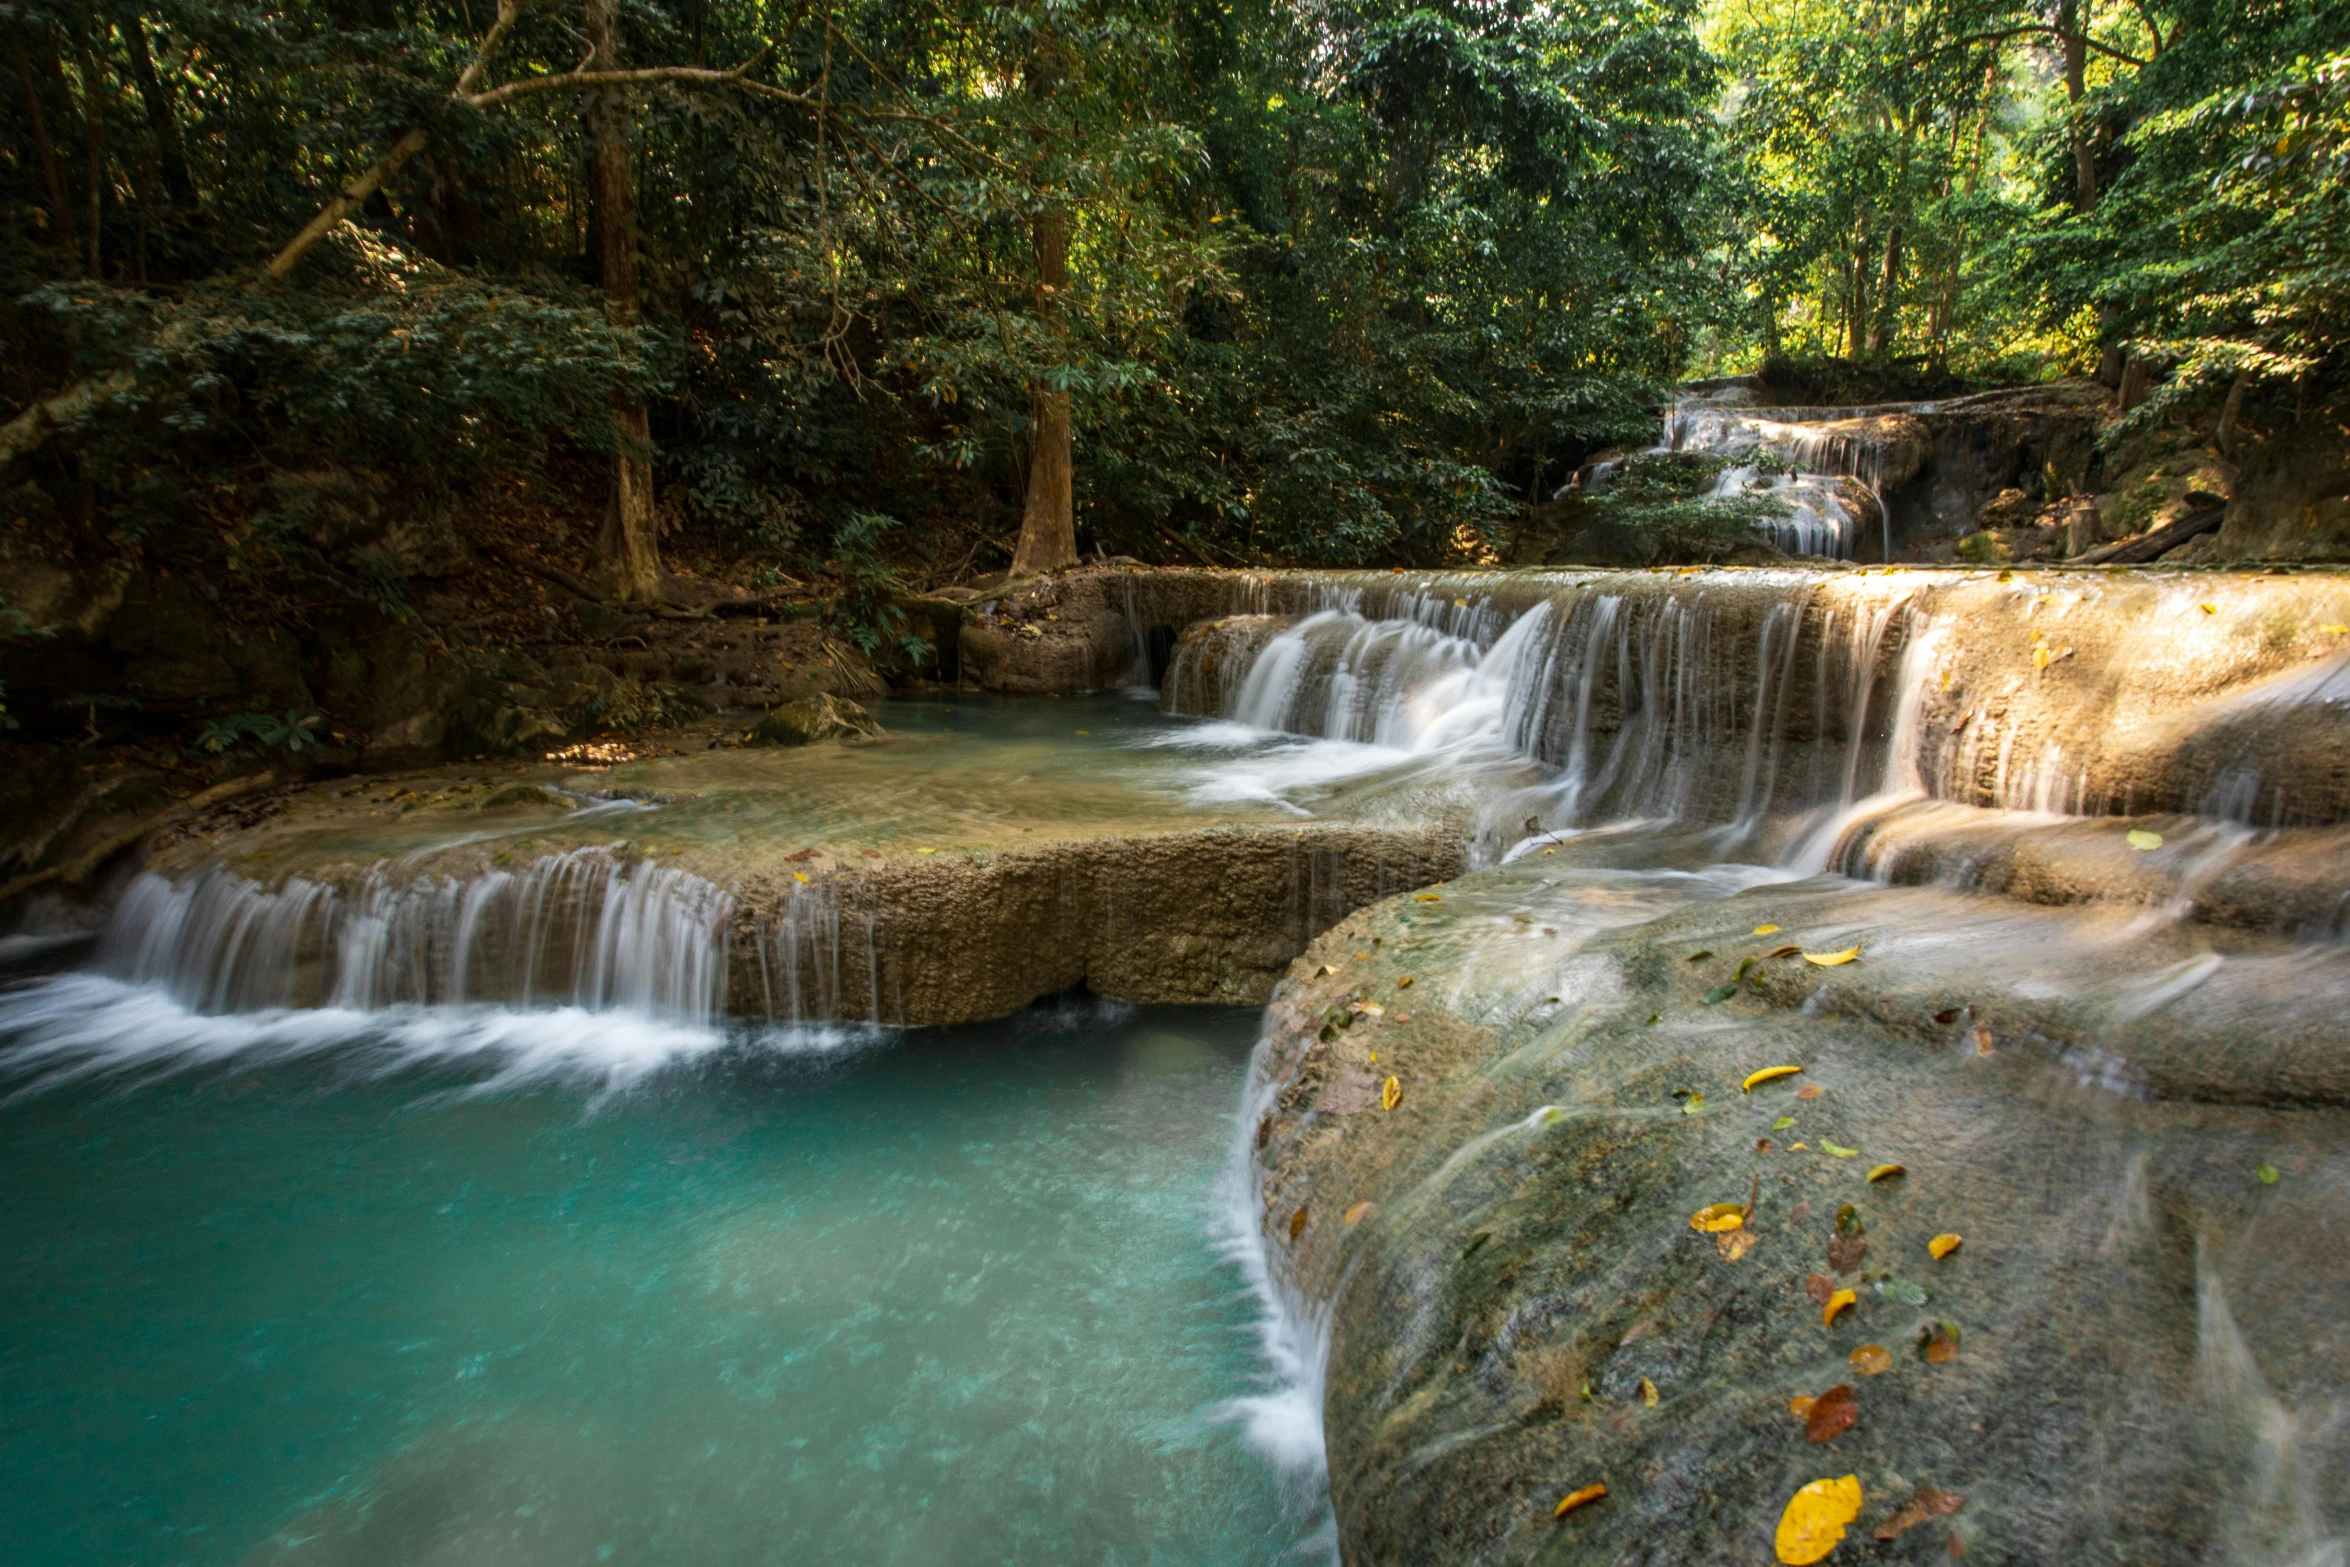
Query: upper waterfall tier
1736, 697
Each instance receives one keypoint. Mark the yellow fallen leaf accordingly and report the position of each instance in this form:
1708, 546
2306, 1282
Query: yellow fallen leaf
1356, 1214
1647, 1393
1800, 1406
1838, 1150
1404, 983
1799, 1148
1391, 1095
1765, 930
2142, 841
1715, 1218
1886, 1172
1427, 897
925, 851
2335, 631
1832, 959
2208, 609
1942, 1246
2040, 656
1766, 1075
1814, 1521
1362, 957
799, 875
1836, 1303
1575, 1499
1871, 1360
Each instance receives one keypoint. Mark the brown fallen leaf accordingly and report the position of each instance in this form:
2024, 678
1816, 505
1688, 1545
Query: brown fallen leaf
1982, 1039
1809, 1091
1762, 1145
1831, 1414
1404, 983
1819, 1287
1297, 1224
1930, 1503
1871, 1360
1735, 1244
1954, 1545
1846, 1251
1947, 1015
1356, 1214
1784, 952
1939, 1343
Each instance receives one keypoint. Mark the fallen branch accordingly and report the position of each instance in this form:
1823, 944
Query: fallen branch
2143, 547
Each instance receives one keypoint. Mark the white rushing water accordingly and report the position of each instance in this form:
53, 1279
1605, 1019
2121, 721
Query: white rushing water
1806, 459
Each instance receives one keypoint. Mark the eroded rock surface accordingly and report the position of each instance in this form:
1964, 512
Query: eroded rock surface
2147, 1332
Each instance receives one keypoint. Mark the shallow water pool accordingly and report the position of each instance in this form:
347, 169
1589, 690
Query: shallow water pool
426, 1287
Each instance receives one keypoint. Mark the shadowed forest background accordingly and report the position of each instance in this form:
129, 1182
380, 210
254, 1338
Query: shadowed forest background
831, 301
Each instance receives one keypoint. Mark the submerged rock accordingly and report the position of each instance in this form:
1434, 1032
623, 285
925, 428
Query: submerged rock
815, 718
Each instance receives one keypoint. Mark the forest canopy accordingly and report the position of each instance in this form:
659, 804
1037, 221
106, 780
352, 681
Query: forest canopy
924, 284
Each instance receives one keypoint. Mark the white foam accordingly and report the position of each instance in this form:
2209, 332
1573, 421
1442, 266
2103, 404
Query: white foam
79, 1027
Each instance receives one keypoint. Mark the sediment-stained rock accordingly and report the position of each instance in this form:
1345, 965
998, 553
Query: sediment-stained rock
2133, 1124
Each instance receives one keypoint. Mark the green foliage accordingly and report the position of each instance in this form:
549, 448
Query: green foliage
1668, 498
866, 608
289, 731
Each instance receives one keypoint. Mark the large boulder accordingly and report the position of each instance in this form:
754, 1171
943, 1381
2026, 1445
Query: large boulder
813, 719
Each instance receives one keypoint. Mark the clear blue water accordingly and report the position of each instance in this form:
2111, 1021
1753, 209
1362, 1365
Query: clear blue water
554, 1288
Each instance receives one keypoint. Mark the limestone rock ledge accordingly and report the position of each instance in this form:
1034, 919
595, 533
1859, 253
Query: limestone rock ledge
2148, 1331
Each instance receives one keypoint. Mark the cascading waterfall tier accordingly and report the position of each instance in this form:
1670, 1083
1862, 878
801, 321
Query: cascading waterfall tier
1829, 467
588, 928
1777, 705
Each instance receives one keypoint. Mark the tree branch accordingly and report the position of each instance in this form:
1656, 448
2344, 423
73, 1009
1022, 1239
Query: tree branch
2029, 29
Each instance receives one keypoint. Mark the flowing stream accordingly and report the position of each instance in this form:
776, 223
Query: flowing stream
447, 1217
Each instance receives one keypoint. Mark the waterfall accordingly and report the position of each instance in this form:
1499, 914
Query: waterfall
1631, 706
1823, 446
587, 928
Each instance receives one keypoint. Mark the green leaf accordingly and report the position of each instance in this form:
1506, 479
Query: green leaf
1721, 993
2268, 1174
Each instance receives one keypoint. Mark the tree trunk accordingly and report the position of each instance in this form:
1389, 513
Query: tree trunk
1048, 526
52, 173
162, 119
1887, 317
628, 550
88, 52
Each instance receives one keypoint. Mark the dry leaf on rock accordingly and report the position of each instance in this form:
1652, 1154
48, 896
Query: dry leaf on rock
1809, 1091
1938, 1342
1575, 1499
1814, 1520
1647, 1393
1297, 1224
1930, 1503
1735, 1244
1767, 1074
1766, 930
1831, 1414
1356, 1214
1391, 1093
1871, 1360
1819, 1287
1788, 951
1832, 959
1837, 1303
1942, 1246
1886, 1172
1838, 1150
1846, 1251
1717, 1217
